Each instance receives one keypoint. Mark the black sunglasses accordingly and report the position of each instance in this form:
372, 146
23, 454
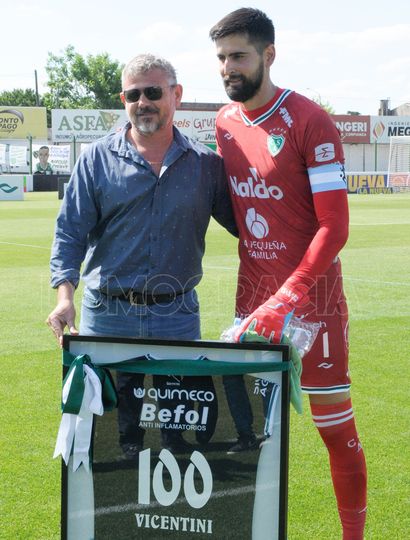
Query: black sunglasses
153, 93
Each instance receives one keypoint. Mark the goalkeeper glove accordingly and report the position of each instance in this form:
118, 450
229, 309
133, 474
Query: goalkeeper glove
271, 318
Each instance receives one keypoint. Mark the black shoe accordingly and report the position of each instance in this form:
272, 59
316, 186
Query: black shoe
131, 450
176, 445
244, 444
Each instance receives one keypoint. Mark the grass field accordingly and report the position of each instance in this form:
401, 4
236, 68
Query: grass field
376, 265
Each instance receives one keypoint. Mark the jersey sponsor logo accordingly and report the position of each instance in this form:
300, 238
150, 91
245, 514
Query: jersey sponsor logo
325, 152
175, 393
257, 224
286, 116
262, 387
319, 325
275, 144
151, 416
139, 393
264, 249
230, 111
277, 245
325, 365
255, 187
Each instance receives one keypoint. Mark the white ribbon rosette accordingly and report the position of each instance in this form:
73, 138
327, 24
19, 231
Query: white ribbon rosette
82, 397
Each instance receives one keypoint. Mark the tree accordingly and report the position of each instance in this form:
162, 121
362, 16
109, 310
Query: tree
19, 97
324, 104
76, 82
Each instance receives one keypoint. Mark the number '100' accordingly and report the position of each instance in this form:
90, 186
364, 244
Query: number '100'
167, 461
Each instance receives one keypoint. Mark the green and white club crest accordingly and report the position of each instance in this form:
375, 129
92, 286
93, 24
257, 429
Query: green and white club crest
275, 144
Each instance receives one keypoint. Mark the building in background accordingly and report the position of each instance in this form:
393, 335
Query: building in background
401, 110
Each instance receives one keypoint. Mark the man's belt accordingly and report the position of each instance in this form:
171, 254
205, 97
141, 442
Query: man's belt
146, 298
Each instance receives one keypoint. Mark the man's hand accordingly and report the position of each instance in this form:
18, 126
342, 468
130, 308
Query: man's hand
64, 313
271, 318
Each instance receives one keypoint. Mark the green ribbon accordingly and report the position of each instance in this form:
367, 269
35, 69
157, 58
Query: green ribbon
201, 366
295, 375
75, 395
251, 336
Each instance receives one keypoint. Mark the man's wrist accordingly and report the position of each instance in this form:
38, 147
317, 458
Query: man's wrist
293, 293
65, 291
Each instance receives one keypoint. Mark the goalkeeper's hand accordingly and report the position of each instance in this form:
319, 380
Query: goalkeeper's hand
270, 319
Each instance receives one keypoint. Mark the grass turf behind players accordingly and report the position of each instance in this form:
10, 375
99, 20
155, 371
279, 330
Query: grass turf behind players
376, 265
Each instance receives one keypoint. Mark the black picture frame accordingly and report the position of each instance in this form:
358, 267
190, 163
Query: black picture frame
104, 348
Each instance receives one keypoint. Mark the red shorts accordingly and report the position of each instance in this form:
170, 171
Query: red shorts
325, 366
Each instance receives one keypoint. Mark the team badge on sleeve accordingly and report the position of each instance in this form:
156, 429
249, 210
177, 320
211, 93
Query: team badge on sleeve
275, 144
325, 152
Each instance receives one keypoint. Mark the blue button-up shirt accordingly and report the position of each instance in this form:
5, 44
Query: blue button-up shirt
133, 229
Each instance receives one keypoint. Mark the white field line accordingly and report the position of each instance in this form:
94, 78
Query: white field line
377, 281
345, 278
215, 267
24, 245
131, 507
381, 223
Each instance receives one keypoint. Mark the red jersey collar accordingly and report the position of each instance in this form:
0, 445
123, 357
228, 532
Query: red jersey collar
259, 115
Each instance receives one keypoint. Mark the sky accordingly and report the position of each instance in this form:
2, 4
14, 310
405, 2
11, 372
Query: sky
349, 54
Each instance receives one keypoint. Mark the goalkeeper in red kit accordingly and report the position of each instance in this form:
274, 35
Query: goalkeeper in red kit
284, 162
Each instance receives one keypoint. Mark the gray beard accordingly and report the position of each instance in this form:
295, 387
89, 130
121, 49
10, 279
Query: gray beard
146, 127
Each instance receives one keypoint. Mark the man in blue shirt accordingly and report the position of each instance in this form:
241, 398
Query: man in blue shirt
135, 213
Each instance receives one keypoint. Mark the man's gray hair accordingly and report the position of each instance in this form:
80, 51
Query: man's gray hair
143, 63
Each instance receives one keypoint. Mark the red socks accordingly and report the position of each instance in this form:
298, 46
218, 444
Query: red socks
336, 426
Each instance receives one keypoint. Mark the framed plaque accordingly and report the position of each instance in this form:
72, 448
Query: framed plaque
164, 463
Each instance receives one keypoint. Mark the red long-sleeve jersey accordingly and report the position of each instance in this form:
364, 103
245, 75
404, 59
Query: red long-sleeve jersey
284, 163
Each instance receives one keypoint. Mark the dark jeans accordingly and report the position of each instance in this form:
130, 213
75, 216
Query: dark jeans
105, 316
